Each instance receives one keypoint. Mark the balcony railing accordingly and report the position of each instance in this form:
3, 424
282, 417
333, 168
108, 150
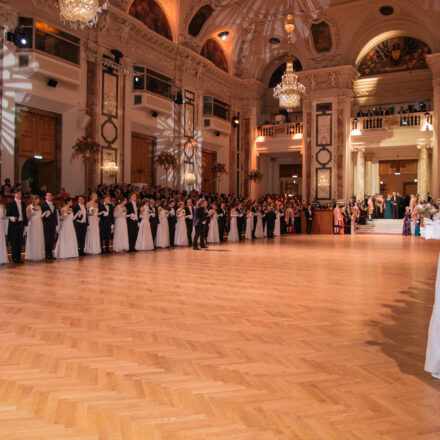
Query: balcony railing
391, 121
281, 129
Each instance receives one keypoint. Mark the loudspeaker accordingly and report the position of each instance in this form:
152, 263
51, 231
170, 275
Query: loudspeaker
217, 133
84, 121
154, 114
52, 82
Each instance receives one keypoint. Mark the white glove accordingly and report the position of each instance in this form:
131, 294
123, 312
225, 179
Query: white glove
12, 219
133, 217
106, 214
57, 228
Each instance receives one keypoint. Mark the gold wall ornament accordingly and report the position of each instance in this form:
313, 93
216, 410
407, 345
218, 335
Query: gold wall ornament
81, 13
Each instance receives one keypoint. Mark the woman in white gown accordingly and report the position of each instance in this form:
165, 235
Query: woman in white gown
163, 232
3, 250
233, 230
249, 224
67, 245
144, 241
277, 230
213, 234
93, 243
181, 237
259, 233
120, 236
35, 250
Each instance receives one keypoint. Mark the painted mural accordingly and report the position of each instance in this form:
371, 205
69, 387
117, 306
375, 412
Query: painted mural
395, 55
322, 37
213, 51
152, 15
199, 20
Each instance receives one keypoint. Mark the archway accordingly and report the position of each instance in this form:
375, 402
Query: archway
29, 175
213, 52
199, 20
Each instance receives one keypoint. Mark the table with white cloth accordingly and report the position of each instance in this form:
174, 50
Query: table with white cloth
430, 229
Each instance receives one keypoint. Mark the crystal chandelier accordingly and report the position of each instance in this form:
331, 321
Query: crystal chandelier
81, 13
290, 90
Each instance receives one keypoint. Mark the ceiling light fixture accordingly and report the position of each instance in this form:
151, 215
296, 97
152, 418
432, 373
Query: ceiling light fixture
290, 90
81, 13
223, 35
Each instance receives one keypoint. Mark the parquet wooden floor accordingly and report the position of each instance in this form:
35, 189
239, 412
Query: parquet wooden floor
307, 337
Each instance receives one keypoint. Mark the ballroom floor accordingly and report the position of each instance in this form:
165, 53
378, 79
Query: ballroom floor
308, 337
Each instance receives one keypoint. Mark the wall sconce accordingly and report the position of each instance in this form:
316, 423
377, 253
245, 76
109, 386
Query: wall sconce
110, 168
236, 121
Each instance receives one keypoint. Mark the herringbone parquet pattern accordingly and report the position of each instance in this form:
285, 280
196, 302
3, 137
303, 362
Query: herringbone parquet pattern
315, 337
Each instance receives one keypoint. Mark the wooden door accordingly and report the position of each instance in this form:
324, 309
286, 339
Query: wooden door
208, 160
142, 151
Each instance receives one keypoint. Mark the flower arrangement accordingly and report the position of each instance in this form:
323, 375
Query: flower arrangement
166, 160
86, 148
255, 175
427, 211
219, 168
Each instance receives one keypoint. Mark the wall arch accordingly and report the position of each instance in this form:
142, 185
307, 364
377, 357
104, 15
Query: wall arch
214, 52
199, 19
152, 15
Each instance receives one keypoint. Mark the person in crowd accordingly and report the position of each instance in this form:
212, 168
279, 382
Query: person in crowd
347, 220
388, 208
240, 221
6, 187
93, 243
297, 217
407, 222
16, 213
213, 231
163, 231
80, 223
50, 224
189, 219
259, 231
132, 221
277, 229
395, 205
154, 218
200, 217
254, 211
67, 244
63, 194
250, 224
336, 219
144, 241
3, 249
35, 249
222, 220
181, 237
233, 226
370, 205
172, 220
106, 220
309, 218
120, 235
270, 221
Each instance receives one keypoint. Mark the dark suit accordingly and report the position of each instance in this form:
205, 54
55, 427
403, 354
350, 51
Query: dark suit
189, 211
270, 223
50, 223
16, 228
395, 206
309, 220
106, 219
172, 223
240, 222
80, 224
255, 219
199, 225
154, 221
221, 223
132, 225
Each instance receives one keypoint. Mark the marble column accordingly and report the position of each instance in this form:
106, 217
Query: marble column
360, 174
375, 177
368, 186
424, 173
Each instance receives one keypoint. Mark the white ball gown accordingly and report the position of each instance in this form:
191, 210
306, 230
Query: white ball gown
259, 233
249, 225
213, 234
277, 230
163, 232
3, 250
93, 242
67, 244
35, 250
120, 236
233, 230
144, 241
181, 237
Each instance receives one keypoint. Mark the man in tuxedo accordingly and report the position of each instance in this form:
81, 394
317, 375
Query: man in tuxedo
106, 220
221, 220
132, 222
16, 213
189, 219
172, 221
200, 217
154, 219
254, 210
80, 223
270, 221
50, 223
240, 221
309, 218
395, 205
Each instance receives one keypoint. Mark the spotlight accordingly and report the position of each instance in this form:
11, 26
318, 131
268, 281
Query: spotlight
52, 82
154, 114
217, 133
236, 121
20, 38
415, 180
178, 98
223, 35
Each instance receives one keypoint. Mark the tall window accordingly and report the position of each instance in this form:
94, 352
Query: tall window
215, 107
146, 79
50, 40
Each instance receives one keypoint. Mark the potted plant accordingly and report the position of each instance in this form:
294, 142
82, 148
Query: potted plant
167, 161
218, 169
255, 175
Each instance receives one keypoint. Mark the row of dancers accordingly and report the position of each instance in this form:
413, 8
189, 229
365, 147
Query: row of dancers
88, 228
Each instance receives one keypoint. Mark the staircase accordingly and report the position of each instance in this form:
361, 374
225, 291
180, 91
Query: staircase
381, 226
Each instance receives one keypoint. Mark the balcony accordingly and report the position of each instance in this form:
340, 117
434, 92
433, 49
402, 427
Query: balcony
290, 128
280, 138
398, 130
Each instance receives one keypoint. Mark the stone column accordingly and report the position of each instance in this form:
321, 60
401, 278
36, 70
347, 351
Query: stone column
375, 177
424, 163
360, 173
368, 187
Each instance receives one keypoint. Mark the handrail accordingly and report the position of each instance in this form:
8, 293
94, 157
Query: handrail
391, 121
287, 129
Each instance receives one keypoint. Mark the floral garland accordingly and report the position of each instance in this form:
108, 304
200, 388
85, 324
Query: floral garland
219, 168
255, 175
166, 160
85, 148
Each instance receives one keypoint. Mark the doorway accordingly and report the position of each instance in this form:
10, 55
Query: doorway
398, 176
291, 179
142, 160
209, 158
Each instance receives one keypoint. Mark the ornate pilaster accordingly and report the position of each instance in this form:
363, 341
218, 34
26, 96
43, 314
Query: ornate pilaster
424, 171
368, 188
359, 160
